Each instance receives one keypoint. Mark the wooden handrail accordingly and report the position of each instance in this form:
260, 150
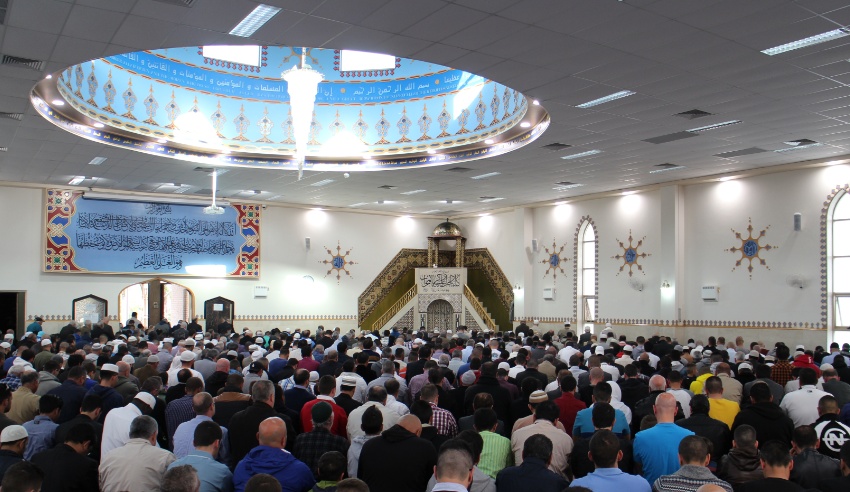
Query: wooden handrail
395, 308
479, 308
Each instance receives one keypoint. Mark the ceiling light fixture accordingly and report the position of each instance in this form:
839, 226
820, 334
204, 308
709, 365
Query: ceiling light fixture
48, 76
58, 102
412, 192
525, 124
603, 100
255, 20
77, 180
489, 141
302, 85
485, 176
161, 140
214, 209
799, 147
535, 102
809, 41
97, 161
664, 170
322, 182
431, 151
97, 125
491, 199
713, 127
358, 204
564, 187
581, 154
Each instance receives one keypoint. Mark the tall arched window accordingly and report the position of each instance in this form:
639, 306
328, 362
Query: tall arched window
586, 274
839, 267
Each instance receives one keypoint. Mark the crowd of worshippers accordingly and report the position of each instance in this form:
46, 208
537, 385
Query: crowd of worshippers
176, 409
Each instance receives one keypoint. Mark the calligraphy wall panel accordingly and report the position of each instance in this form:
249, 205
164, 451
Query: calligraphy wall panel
86, 235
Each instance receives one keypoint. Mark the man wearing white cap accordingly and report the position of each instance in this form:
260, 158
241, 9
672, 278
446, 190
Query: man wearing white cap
43, 356
13, 442
105, 390
187, 360
139, 464
116, 429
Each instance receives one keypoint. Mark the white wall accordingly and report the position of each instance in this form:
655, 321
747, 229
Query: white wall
754, 306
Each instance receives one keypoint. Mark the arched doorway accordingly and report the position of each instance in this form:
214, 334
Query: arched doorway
156, 299
441, 315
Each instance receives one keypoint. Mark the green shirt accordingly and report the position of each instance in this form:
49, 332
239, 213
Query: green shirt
496, 453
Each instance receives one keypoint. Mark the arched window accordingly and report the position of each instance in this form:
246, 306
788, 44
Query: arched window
839, 267
586, 274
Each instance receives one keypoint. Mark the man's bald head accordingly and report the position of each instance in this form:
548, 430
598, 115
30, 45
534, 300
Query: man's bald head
411, 423
272, 432
123, 368
657, 383
596, 375
665, 408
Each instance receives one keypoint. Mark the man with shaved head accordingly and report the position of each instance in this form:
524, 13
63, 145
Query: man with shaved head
644, 407
656, 448
398, 452
270, 457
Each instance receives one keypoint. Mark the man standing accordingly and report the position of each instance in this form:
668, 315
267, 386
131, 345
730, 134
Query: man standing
327, 390
809, 465
310, 446
105, 390
245, 424
605, 453
139, 465
801, 406
207, 440
454, 469
13, 442
271, 458
741, 464
72, 393
839, 484
441, 419
148, 370
776, 463
693, 473
568, 404
377, 399
116, 429
831, 433
702, 424
300, 394
180, 410
534, 473
655, 449
765, 416
401, 450
545, 416
204, 408
42, 429
835, 386
24, 400
66, 467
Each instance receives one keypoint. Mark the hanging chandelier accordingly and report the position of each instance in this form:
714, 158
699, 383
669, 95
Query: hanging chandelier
302, 85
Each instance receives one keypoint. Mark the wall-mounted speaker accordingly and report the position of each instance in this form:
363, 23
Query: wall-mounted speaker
798, 222
534, 245
307, 242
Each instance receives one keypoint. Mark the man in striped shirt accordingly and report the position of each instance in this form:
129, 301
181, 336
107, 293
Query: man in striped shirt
496, 454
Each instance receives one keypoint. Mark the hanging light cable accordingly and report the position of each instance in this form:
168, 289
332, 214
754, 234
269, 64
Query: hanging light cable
302, 85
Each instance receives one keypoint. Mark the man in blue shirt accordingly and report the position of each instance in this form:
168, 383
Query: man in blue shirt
42, 429
270, 457
35, 326
583, 426
656, 450
204, 408
214, 476
605, 453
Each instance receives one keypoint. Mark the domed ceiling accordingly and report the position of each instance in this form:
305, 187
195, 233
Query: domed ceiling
230, 106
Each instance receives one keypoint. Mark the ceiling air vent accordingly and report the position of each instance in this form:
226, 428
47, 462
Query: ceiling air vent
670, 137
692, 114
4, 149
666, 165
797, 143
739, 153
4, 7
387, 187
12, 116
146, 187
459, 169
556, 146
181, 3
204, 169
17, 61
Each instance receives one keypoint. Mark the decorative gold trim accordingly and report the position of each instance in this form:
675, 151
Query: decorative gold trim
396, 308
479, 308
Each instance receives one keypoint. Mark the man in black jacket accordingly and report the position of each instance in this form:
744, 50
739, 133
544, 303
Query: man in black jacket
657, 386
534, 472
809, 465
245, 424
398, 452
704, 426
418, 367
488, 383
72, 393
839, 484
765, 416
66, 467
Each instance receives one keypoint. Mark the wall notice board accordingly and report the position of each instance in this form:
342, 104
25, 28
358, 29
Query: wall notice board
84, 235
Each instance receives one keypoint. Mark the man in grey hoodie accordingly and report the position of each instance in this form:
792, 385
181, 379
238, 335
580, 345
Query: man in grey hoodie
372, 424
48, 377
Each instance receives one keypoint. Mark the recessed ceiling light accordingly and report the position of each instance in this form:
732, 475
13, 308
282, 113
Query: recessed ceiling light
97, 161
77, 180
525, 124
255, 20
566, 185
665, 169
809, 41
322, 182
485, 176
714, 126
97, 125
627, 193
58, 102
799, 147
491, 199
489, 141
726, 178
581, 154
48, 76
603, 100
412, 192
432, 151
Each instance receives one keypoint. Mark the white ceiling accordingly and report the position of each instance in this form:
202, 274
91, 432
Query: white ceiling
676, 55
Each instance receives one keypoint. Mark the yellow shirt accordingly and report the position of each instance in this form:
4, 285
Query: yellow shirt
723, 410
